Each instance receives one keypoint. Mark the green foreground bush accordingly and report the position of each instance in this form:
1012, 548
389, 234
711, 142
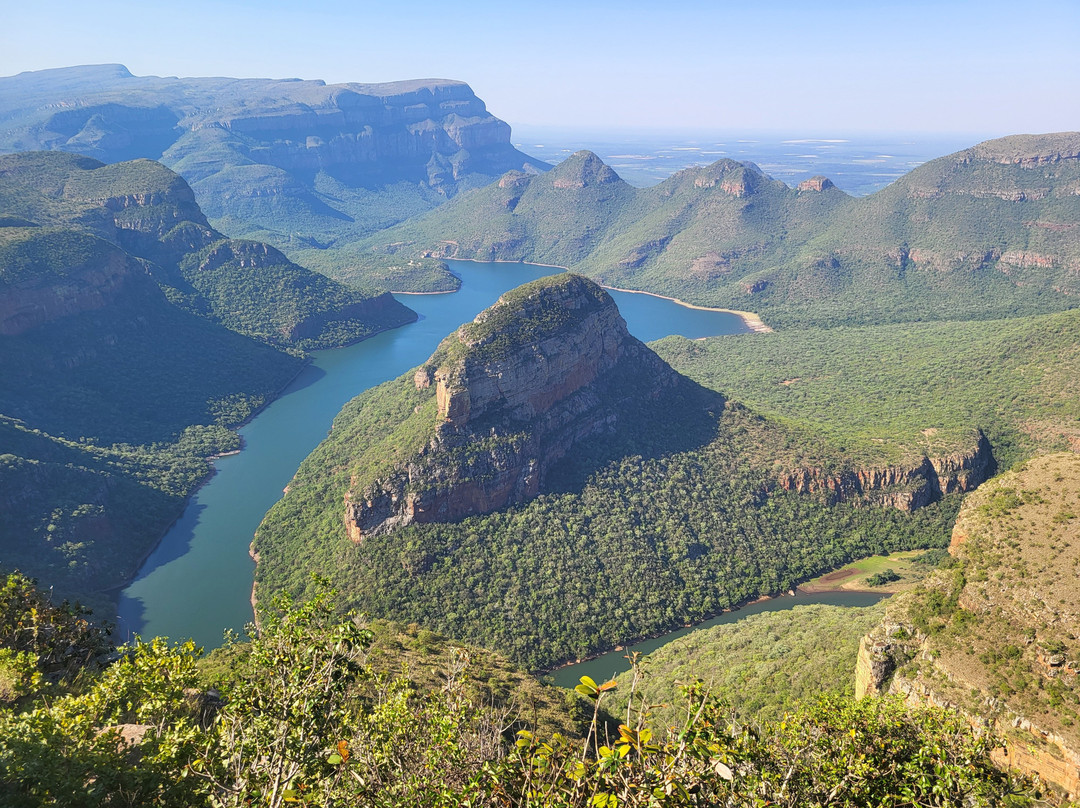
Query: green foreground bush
302, 719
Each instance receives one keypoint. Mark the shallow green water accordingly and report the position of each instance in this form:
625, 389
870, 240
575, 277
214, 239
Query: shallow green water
608, 665
197, 583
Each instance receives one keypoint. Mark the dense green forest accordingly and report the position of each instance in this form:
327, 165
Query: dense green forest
133, 340
109, 417
638, 533
888, 393
310, 712
984, 233
149, 212
679, 514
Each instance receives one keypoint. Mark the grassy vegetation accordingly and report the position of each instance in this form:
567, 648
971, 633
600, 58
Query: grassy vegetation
1001, 625
962, 237
763, 666
909, 567
886, 394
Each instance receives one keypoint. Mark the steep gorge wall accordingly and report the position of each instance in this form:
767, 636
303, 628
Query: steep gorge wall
906, 487
509, 407
994, 637
1029, 748
436, 129
106, 278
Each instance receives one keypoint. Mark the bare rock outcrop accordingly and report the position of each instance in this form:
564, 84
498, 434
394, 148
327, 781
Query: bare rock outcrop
907, 487
993, 638
543, 369
99, 277
818, 183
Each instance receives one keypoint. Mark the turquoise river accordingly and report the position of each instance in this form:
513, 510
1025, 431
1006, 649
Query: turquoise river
197, 583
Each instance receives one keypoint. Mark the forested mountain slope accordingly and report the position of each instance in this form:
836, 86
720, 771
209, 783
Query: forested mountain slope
132, 335
305, 166
987, 232
546, 486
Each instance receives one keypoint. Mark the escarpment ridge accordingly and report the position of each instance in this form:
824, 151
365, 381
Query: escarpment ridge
906, 487
69, 224
995, 635
133, 335
306, 166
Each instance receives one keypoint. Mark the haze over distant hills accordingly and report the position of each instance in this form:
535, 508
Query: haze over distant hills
303, 165
987, 232
544, 484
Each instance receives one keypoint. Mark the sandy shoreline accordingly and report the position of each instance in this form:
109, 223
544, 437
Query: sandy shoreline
440, 292
752, 320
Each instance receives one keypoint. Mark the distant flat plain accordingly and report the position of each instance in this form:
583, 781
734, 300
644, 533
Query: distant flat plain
856, 163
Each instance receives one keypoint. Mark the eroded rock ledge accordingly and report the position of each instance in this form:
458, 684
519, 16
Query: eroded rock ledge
549, 365
907, 487
994, 636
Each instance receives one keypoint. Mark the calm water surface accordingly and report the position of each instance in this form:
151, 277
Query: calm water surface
607, 665
197, 583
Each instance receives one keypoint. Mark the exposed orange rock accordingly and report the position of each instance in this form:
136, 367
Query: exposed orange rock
818, 183
24, 306
907, 487
508, 412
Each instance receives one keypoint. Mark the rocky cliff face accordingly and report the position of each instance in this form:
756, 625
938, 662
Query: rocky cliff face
104, 276
303, 165
431, 128
1030, 747
994, 638
545, 368
907, 487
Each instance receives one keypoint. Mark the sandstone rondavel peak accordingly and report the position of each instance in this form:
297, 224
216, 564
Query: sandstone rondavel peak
516, 389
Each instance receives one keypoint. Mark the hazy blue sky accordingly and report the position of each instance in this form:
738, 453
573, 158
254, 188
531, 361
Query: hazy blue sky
990, 67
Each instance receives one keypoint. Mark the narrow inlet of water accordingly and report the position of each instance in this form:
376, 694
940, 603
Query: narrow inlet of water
607, 665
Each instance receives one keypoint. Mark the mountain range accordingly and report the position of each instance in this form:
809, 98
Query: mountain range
305, 166
983, 233
544, 484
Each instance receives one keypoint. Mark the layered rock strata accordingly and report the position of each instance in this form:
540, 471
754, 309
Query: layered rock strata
994, 637
548, 366
433, 130
905, 486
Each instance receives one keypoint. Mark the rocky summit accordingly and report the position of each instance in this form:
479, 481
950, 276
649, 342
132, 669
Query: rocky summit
544, 368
